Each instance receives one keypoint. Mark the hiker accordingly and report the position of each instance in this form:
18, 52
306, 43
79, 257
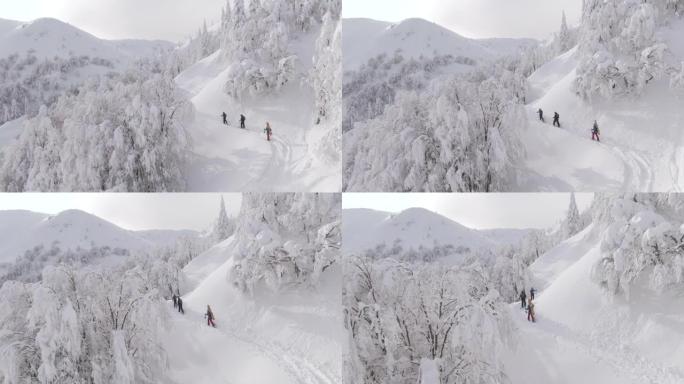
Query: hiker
530, 312
556, 119
269, 131
595, 132
225, 118
180, 305
532, 292
175, 301
210, 317
523, 298
541, 115
242, 121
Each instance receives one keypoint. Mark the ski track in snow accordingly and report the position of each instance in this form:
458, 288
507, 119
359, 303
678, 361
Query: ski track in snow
638, 172
623, 360
297, 367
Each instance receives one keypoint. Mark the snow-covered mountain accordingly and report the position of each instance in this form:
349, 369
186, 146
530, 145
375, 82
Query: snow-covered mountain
24, 230
48, 38
364, 39
417, 227
42, 59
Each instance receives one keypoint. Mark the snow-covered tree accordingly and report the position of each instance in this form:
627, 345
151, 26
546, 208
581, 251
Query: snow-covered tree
565, 38
677, 82
120, 134
642, 239
81, 326
573, 223
27, 83
256, 41
398, 314
285, 240
621, 51
224, 226
459, 135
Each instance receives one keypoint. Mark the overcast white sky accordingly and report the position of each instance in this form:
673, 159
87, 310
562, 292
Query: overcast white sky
479, 211
474, 18
172, 20
132, 211
176, 19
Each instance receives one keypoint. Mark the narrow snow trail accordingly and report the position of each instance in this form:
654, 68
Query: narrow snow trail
227, 158
201, 354
569, 161
228, 355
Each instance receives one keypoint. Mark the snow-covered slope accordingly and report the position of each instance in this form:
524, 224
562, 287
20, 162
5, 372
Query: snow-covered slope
642, 143
47, 38
584, 335
366, 38
293, 337
23, 230
230, 158
417, 227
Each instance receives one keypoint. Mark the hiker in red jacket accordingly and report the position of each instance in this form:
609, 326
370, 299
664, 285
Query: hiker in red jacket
530, 311
210, 317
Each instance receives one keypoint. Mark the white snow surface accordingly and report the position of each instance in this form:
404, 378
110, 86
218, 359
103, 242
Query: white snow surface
584, 335
24, 230
227, 158
292, 337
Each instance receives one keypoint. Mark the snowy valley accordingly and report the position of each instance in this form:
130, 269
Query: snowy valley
427, 110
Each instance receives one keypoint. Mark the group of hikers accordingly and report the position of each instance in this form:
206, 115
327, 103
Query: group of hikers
243, 119
528, 304
595, 132
209, 315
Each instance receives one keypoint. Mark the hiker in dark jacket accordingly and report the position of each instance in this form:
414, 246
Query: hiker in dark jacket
523, 299
269, 131
556, 119
541, 115
242, 121
225, 118
175, 301
180, 305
